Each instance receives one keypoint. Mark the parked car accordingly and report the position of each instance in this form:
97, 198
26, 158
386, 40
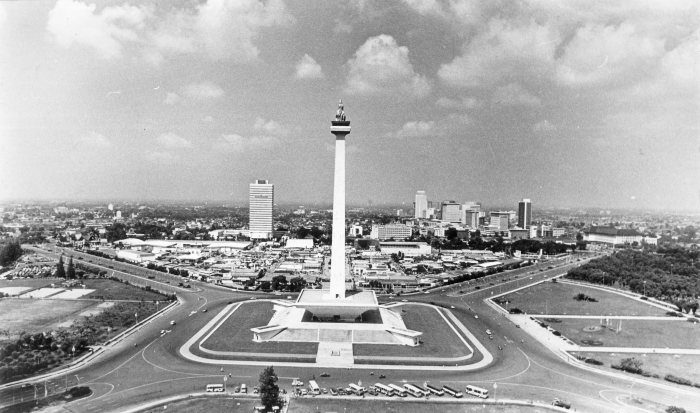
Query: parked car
561, 403
324, 374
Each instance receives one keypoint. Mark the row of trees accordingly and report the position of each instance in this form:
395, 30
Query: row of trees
9, 253
671, 275
280, 283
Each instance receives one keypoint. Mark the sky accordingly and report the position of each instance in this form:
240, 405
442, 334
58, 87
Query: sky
568, 103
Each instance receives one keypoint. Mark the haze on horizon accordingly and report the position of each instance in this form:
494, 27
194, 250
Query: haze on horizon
570, 104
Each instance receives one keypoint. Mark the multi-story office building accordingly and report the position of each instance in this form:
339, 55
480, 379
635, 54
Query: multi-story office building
524, 213
470, 214
421, 205
499, 220
391, 231
262, 198
451, 212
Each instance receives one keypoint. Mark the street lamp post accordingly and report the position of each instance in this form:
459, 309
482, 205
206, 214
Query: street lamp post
495, 386
645, 287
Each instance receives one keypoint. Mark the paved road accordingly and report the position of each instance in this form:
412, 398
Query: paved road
127, 375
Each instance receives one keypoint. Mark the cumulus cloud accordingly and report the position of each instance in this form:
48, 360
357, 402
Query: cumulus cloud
95, 140
237, 143
600, 54
381, 65
173, 141
223, 29
73, 22
425, 7
503, 50
307, 68
513, 94
203, 90
160, 157
172, 98
544, 126
416, 129
269, 127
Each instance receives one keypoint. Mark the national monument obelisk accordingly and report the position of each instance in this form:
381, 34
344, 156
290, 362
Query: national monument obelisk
340, 127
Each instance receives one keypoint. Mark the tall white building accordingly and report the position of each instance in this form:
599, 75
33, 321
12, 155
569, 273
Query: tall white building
451, 212
262, 198
421, 205
470, 214
391, 231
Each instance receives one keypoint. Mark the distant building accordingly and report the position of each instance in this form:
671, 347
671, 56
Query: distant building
615, 236
421, 205
451, 212
262, 199
409, 249
470, 214
355, 230
391, 231
499, 220
524, 213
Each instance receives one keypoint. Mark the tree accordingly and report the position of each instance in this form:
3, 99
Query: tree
9, 253
60, 271
279, 282
269, 390
71, 269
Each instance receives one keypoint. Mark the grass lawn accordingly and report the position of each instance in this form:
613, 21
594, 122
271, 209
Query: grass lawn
17, 315
216, 404
438, 338
661, 364
235, 334
358, 405
114, 290
30, 282
635, 333
558, 298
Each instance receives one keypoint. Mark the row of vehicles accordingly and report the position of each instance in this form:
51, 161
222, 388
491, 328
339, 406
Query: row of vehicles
391, 390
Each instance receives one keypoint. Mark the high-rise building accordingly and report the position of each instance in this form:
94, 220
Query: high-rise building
451, 212
421, 205
524, 213
262, 198
398, 232
499, 220
470, 214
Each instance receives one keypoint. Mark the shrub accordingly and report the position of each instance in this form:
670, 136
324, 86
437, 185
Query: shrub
79, 391
677, 380
594, 362
674, 409
674, 314
516, 310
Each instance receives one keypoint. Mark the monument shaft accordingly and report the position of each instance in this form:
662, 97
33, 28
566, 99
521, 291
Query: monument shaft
340, 128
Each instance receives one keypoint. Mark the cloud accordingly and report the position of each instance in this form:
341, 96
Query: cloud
458, 104
204, 90
381, 65
160, 157
74, 22
228, 27
221, 29
502, 51
95, 140
425, 7
270, 127
543, 126
208, 119
307, 68
237, 143
172, 98
416, 129
600, 54
513, 94
173, 141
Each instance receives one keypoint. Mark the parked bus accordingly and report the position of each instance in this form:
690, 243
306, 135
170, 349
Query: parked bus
477, 391
358, 390
398, 390
452, 392
215, 388
425, 391
436, 391
383, 389
313, 387
413, 390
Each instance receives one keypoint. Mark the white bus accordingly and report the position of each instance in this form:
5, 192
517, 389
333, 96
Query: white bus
383, 389
436, 391
477, 391
413, 390
398, 390
215, 388
452, 392
358, 390
313, 387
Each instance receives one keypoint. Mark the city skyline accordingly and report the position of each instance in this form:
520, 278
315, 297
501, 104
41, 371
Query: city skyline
469, 102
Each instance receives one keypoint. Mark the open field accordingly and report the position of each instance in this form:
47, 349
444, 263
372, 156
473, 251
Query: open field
114, 290
674, 333
438, 338
17, 315
558, 298
235, 334
30, 282
357, 405
660, 364
209, 404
